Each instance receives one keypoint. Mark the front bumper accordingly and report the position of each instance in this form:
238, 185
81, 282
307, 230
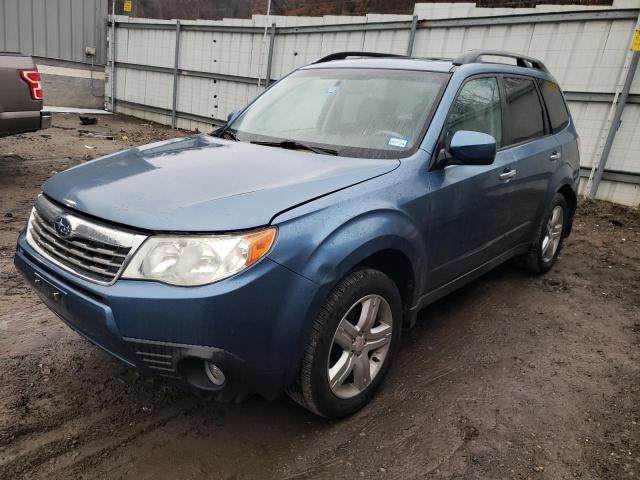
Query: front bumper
253, 326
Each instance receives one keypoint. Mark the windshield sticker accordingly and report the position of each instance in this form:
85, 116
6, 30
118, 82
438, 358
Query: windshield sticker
332, 90
397, 142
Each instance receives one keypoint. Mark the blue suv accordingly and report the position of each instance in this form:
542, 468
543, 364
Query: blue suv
286, 251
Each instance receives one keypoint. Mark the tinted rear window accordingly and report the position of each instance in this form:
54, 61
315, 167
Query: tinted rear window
524, 110
558, 114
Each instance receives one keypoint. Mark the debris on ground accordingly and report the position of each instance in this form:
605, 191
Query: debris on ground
98, 135
88, 120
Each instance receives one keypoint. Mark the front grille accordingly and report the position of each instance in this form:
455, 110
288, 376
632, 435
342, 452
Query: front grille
93, 250
96, 259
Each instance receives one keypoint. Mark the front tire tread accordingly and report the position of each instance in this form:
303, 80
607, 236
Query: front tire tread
304, 391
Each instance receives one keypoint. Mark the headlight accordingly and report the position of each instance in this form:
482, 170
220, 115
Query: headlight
198, 260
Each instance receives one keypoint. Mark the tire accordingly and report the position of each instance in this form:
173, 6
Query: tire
543, 254
343, 355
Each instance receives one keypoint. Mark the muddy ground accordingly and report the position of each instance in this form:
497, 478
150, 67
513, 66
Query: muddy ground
513, 376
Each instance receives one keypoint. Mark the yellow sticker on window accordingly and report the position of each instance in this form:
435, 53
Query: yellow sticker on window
636, 41
128, 6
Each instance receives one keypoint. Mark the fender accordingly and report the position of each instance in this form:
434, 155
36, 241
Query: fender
338, 246
563, 176
389, 230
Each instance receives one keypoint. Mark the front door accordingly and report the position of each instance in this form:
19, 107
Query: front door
468, 204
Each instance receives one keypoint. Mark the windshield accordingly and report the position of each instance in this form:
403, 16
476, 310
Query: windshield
374, 113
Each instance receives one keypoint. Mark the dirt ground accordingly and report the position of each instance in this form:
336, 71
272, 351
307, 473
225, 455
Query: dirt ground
513, 376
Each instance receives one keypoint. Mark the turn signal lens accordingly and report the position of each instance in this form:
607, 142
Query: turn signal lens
259, 244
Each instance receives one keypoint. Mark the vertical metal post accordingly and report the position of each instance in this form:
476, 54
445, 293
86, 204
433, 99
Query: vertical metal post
614, 117
176, 66
264, 42
412, 35
112, 80
613, 127
272, 38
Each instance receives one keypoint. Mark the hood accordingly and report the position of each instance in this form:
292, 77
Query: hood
204, 184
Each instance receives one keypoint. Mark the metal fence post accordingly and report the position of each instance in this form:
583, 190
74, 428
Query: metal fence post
272, 38
176, 65
112, 80
412, 35
596, 174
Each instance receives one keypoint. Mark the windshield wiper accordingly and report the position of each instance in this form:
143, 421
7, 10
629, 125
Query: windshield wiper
293, 145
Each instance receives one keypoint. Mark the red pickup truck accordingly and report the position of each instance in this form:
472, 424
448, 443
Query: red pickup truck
20, 95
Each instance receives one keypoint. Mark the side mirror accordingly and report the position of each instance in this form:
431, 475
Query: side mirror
232, 115
471, 148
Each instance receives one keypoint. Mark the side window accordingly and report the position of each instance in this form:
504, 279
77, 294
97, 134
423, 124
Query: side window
524, 110
558, 114
477, 108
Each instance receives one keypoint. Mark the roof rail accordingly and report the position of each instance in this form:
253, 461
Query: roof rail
343, 55
474, 56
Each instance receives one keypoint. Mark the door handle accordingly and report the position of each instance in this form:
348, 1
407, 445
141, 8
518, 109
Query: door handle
555, 156
508, 174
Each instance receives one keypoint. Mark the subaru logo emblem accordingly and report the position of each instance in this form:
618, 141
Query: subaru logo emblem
63, 227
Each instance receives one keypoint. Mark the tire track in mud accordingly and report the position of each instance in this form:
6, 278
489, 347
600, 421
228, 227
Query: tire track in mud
67, 398
23, 442
67, 422
95, 438
79, 466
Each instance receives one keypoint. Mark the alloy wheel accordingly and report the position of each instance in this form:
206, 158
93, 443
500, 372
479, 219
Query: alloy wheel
360, 345
553, 233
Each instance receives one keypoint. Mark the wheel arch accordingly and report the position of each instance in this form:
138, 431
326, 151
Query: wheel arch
565, 182
397, 266
569, 194
391, 243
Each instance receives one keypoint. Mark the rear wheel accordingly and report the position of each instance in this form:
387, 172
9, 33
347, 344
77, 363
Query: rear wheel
352, 342
549, 237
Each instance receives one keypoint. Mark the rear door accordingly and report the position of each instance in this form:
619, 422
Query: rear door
559, 121
535, 152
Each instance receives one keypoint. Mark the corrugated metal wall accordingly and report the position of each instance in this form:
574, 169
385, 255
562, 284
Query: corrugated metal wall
219, 62
58, 29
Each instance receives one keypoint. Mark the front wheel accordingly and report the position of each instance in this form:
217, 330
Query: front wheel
351, 345
549, 237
